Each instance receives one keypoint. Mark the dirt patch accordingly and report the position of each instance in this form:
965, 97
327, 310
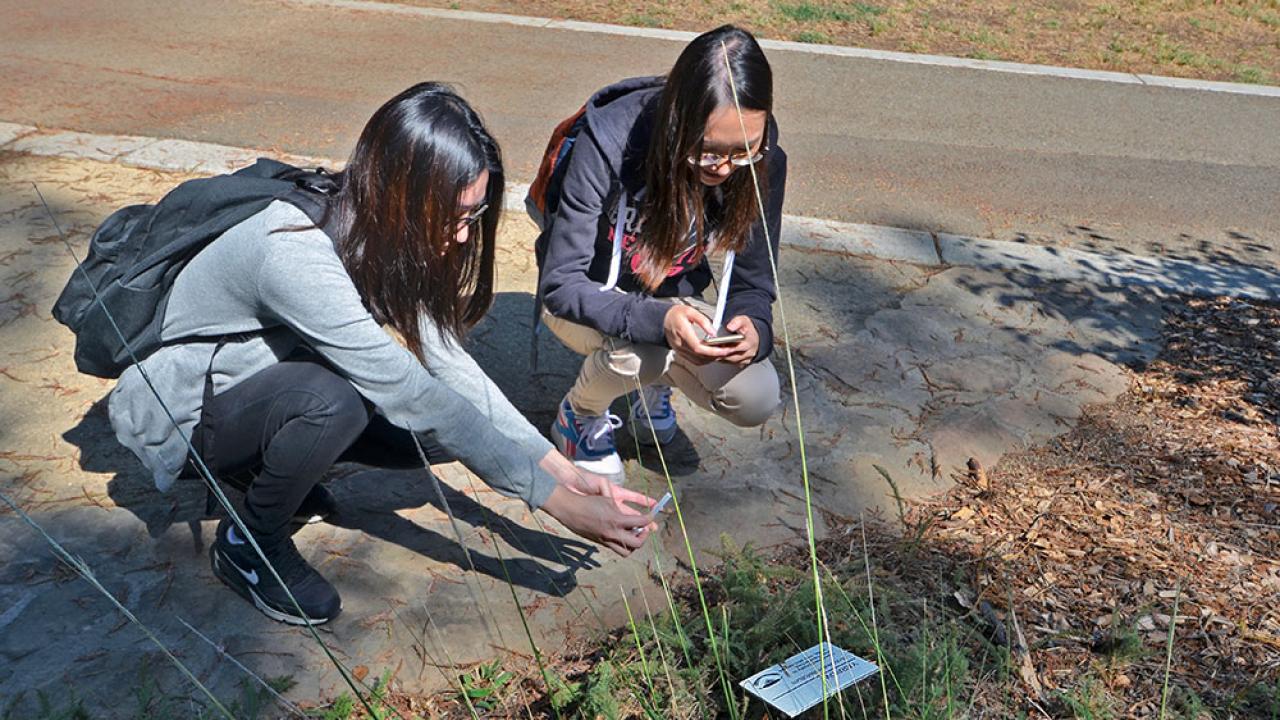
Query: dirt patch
1233, 41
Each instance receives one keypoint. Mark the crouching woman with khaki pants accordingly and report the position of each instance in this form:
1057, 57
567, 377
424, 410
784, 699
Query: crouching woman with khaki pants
657, 180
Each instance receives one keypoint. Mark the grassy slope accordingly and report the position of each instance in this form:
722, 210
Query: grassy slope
1233, 40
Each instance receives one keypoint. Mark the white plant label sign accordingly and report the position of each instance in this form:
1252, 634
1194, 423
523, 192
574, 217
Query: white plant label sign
795, 685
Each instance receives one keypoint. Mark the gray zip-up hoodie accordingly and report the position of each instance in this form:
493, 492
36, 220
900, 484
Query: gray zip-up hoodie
577, 248
283, 289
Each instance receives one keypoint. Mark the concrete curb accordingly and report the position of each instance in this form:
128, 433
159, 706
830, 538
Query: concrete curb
878, 241
10, 132
143, 152
884, 243
684, 36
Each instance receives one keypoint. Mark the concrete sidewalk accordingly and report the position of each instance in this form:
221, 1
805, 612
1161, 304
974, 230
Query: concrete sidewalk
1070, 163
908, 368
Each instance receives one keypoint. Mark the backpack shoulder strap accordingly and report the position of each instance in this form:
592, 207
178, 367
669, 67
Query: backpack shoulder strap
558, 146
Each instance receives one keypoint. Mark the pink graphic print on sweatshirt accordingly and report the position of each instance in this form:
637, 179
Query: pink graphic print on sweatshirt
684, 261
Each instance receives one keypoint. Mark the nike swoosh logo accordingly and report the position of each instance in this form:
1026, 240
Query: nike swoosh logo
250, 575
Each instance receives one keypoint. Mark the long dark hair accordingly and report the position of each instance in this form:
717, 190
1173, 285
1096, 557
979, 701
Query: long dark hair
697, 85
397, 213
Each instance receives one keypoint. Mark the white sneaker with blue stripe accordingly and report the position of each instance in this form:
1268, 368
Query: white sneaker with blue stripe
587, 440
652, 415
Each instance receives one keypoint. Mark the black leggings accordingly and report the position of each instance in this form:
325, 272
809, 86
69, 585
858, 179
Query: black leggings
287, 425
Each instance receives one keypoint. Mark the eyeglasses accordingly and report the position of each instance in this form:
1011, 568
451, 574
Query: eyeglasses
475, 216
712, 161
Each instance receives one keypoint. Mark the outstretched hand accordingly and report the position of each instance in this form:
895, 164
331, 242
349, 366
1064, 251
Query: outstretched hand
603, 520
587, 483
595, 508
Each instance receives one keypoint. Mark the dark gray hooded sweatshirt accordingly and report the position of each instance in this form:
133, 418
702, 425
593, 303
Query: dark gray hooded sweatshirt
575, 250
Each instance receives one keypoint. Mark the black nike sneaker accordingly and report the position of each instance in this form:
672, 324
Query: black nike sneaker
236, 564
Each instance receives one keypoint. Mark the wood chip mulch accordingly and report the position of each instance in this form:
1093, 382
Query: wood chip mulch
1170, 493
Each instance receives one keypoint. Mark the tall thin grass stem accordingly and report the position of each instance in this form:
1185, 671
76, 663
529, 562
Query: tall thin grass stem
635, 635
545, 573
791, 375
725, 686
85, 572
231, 658
662, 655
875, 628
866, 628
1168, 651
524, 622
462, 690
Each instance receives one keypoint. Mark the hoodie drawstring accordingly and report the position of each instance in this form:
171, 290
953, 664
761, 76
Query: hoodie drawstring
722, 292
615, 260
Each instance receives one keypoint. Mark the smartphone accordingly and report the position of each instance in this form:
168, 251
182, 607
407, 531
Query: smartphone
729, 339
657, 508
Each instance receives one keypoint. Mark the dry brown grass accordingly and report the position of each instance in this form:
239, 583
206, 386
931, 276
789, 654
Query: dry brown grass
1233, 40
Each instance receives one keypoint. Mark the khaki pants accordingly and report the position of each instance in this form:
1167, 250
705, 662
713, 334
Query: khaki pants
745, 396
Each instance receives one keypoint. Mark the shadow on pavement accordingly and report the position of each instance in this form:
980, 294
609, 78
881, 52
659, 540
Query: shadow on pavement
369, 500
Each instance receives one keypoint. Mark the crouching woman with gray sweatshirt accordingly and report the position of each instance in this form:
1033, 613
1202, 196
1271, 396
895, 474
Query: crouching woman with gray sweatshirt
305, 373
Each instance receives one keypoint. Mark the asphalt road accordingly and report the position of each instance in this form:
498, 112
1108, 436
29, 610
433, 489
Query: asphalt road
1052, 160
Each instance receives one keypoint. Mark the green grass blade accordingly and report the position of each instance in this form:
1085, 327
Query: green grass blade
875, 628
524, 622
604, 628
662, 655
867, 628
693, 566
795, 389
1168, 651
635, 635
